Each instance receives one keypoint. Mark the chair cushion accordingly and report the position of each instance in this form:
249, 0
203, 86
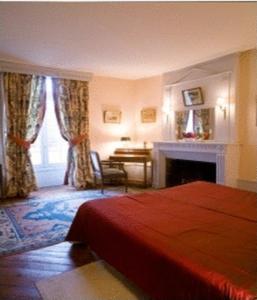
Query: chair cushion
112, 171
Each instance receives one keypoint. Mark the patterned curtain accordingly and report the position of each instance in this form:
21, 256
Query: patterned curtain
202, 119
71, 107
181, 122
25, 100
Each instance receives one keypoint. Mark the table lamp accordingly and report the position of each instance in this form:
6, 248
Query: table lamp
125, 140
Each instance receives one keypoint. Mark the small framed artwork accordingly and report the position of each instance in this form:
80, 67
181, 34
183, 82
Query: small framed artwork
112, 116
148, 115
193, 96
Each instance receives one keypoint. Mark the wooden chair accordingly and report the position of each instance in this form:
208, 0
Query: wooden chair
1, 182
106, 169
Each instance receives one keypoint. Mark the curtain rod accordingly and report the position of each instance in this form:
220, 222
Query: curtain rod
8, 66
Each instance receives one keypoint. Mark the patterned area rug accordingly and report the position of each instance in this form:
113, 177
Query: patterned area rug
43, 219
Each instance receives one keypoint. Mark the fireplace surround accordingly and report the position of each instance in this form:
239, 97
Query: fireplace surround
225, 156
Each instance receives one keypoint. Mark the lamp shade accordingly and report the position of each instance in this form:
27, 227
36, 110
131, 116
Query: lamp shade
125, 138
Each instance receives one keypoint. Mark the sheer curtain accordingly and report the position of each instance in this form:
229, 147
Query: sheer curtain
71, 107
25, 98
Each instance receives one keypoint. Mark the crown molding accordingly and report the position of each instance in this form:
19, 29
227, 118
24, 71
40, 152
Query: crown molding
8, 66
205, 75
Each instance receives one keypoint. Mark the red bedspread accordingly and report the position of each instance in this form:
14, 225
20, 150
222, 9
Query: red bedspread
195, 241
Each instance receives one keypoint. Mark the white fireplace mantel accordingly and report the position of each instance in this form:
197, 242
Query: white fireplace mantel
224, 155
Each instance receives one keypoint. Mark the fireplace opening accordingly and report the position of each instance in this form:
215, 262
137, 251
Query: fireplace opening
180, 171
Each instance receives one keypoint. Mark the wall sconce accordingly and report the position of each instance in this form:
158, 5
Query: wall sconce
221, 103
166, 108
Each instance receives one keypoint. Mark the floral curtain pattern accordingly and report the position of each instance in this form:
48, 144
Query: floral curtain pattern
25, 101
181, 122
202, 118
71, 107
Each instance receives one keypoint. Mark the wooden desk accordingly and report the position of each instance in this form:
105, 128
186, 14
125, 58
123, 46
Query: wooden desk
135, 155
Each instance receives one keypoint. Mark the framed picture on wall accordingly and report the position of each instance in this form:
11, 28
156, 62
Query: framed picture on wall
112, 116
193, 96
148, 115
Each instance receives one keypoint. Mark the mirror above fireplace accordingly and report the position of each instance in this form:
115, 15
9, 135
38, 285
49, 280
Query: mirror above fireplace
195, 124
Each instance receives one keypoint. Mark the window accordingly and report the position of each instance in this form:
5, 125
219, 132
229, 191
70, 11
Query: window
190, 122
50, 149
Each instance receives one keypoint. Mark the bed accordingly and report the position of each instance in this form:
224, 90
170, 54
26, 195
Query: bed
194, 241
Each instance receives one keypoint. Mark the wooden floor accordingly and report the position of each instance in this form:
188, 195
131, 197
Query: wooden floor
19, 272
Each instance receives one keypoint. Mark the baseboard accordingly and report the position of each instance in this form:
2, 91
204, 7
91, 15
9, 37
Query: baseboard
249, 185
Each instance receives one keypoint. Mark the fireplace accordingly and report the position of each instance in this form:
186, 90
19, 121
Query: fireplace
180, 171
219, 156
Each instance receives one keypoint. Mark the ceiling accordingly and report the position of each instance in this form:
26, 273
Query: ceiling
124, 39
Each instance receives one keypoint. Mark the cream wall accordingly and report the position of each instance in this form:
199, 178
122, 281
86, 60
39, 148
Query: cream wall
213, 86
108, 93
148, 93
217, 78
131, 96
240, 126
247, 117
128, 96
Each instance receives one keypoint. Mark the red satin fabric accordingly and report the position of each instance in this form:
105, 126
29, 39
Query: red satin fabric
192, 242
